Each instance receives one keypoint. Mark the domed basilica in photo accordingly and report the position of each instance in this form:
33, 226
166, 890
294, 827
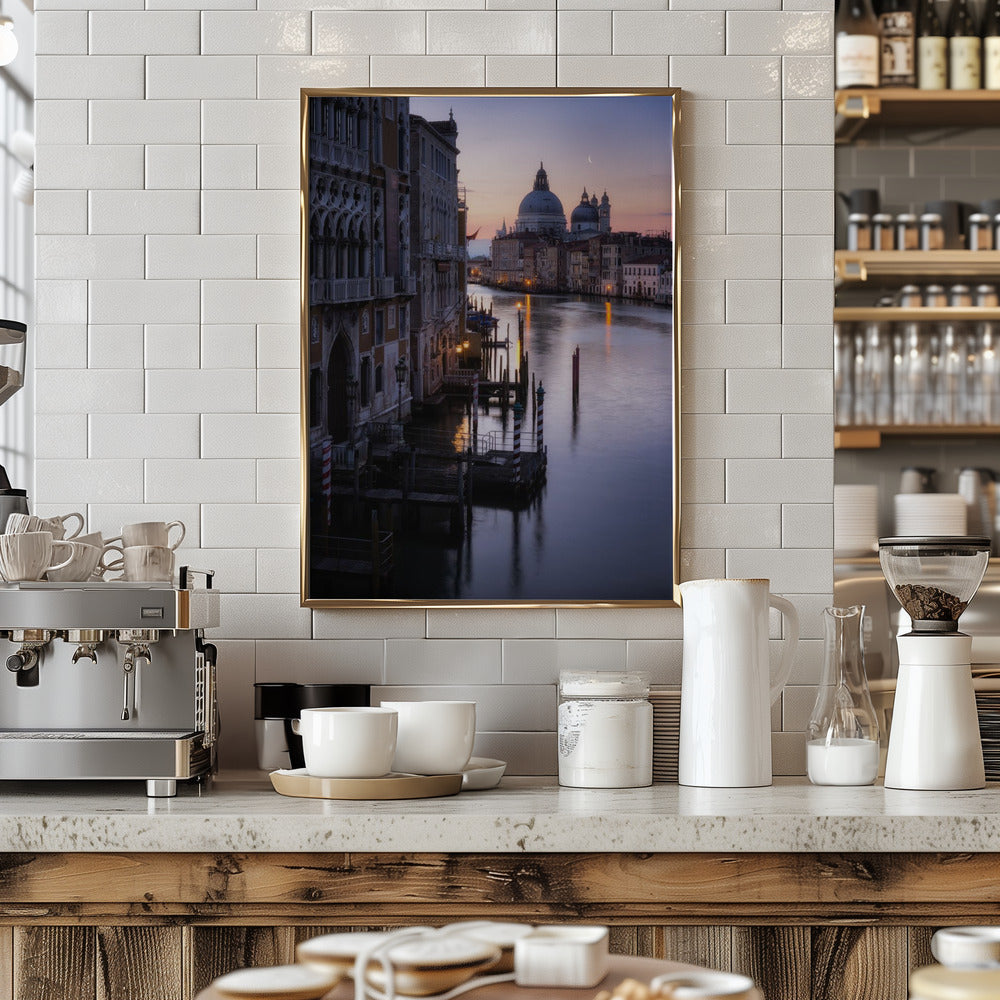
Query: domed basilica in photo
542, 212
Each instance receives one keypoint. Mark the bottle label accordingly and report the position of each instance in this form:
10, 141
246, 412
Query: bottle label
898, 63
857, 61
991, 62
966, 70
932, 63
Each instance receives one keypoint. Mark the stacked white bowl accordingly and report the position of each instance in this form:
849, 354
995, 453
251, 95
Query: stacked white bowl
930, 514
855, 520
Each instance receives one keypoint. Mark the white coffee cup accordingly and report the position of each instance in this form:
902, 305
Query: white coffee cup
347, 742
104, 565
27, 555
150, 533
81, 565
20, 523
147, 562
435, 737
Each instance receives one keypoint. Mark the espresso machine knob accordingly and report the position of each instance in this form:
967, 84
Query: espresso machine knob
24, 659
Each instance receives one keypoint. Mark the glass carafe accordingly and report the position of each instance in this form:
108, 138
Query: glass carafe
842, 738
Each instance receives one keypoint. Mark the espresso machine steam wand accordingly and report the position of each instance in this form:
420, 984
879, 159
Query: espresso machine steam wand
136, 642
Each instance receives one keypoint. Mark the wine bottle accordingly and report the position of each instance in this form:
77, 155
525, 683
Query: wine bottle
932, 49
897, 23
857, 49
964, 45
991, 46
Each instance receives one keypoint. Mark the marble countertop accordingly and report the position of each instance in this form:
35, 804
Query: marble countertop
244, 814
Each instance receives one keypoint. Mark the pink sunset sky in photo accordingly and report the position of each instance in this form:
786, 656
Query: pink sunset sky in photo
619, 144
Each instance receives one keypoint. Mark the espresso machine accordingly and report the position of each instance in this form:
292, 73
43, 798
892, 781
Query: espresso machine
109, 681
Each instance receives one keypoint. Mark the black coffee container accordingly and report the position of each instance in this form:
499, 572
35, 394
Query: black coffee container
275, 705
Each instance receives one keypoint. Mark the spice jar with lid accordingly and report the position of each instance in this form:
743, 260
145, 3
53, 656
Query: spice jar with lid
883, 234
907, 232
859, 231
931, 231
980, 231
605, 729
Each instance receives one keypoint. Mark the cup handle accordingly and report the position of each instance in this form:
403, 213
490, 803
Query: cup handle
65, 562
111, 567
79, 528
176, 524
791, 641
117, 540
297, 726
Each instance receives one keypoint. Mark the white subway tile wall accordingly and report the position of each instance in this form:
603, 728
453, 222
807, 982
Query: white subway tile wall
167, 214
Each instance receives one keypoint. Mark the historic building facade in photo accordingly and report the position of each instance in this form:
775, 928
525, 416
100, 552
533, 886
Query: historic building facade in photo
541, 254
361, 277
438, 242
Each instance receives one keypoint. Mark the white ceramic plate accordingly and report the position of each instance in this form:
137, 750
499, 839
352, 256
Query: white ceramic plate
284, 982
482, 772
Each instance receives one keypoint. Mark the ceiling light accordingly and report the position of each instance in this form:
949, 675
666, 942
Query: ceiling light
8, 40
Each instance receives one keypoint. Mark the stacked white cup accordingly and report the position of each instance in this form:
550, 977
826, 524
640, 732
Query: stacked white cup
147, 550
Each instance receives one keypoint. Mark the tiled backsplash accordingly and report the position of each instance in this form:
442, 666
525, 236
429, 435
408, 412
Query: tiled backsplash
167, 342
911, 166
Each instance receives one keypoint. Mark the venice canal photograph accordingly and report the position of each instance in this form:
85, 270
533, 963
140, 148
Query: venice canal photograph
489, 348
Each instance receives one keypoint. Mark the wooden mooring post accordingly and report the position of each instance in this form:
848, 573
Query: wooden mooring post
576, 374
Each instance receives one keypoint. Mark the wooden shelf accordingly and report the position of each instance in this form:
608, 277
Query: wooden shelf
898, 314
858, 438
860, 265
855, 108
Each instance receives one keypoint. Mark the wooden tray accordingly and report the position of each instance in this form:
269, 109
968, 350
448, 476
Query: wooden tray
299, 784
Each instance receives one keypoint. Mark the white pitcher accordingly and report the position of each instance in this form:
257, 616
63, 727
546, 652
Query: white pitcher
726, 688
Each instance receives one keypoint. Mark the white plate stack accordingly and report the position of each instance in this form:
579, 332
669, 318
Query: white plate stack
930, 514
666, 704
855, 520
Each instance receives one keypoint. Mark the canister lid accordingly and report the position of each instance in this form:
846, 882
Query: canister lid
603, 684
936, 982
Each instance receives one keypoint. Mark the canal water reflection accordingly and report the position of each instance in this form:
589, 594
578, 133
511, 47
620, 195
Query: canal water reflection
601, 527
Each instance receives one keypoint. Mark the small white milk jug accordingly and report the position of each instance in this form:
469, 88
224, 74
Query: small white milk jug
726, 688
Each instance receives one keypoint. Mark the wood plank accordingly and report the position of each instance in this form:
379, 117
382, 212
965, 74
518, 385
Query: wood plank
215, 951
864, 963
644, 941
776, 958
547, 882
919, 947
709, 946
140, 961
54, 963
7, 963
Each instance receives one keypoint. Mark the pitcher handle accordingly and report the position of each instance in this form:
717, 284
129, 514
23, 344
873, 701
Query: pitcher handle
791, 641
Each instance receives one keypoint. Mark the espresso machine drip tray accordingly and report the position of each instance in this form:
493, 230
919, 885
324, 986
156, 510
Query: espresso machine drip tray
160, 758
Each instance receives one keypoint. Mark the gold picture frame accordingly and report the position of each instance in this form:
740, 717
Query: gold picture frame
427, 477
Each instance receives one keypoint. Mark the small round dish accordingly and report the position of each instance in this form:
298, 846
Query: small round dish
432, 963
968, 947
337, 951
281, 982
502, 933
705, 985
435, 963
481, 773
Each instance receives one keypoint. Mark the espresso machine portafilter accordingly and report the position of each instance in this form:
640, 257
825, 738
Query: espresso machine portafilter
110, 681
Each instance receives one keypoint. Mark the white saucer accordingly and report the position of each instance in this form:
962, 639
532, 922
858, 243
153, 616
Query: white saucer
482, 772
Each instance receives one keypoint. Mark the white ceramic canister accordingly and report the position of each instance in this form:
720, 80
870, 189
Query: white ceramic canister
605, 729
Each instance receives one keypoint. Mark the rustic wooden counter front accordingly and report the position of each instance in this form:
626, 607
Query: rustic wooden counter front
162, 926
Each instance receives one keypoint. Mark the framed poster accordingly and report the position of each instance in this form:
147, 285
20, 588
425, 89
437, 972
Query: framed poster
490, 348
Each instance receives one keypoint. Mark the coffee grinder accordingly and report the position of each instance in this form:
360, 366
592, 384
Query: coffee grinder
934, 739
